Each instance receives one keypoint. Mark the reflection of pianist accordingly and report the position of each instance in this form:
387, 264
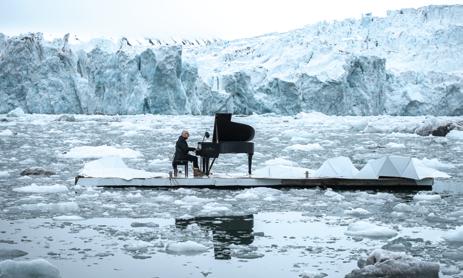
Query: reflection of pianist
182, 156
226, 230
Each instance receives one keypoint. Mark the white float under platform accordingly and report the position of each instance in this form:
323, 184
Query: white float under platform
248, 182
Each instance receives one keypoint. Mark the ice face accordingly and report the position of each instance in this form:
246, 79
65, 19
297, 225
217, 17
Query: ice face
402, 64
222, 233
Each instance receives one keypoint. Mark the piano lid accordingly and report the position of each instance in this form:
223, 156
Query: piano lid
226, 130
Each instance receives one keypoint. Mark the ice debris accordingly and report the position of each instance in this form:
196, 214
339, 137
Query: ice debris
186, 248
366, 229
28, 269
382, 263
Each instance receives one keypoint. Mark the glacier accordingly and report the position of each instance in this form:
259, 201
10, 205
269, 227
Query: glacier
406, 63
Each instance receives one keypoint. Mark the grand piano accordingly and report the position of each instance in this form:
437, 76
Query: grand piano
228, 137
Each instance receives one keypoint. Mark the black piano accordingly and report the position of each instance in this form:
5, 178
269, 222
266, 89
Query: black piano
228, 137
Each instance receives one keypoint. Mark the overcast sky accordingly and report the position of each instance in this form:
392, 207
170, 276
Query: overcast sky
228, 19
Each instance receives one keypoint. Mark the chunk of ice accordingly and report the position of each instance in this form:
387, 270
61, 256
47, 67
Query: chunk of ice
421, 196
455, 135
44, 189
68, 218
6, 132
454, 235
357, 211
366, 229
382, 263
306, 148
28, 269
186, 248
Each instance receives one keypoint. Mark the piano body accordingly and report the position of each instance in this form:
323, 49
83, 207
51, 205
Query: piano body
228, 137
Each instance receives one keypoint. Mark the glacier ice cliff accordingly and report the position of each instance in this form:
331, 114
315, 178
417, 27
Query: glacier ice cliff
407, 63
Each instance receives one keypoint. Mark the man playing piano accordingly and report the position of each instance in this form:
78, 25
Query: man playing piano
181, 153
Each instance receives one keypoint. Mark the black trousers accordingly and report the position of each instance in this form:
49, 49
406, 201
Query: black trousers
190, 158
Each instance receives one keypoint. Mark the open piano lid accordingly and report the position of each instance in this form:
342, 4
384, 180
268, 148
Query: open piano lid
226, 130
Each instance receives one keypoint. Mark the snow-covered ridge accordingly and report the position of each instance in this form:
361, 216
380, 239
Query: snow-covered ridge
406, 63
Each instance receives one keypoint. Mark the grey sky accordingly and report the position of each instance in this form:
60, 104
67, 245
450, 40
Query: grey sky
227, 19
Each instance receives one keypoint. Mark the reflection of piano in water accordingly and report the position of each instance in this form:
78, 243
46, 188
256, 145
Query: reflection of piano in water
226, 230
228, 137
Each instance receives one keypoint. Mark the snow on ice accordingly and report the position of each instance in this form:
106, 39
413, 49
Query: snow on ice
115, 167
28, 269
366, 229
383, 263
185, 248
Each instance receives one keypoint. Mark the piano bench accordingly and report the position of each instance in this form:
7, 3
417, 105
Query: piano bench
182, 162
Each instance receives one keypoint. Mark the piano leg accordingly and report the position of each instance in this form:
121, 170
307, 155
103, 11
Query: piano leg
249, 162
206, 165
203, 164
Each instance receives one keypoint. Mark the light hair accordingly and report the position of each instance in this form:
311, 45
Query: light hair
185, 131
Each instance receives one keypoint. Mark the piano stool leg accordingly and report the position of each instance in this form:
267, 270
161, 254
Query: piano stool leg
249, 163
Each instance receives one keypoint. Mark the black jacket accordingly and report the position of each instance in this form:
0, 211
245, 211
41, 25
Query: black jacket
182, 149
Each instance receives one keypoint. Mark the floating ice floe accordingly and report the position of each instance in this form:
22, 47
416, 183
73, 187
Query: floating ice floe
279, 161
339, 167
4, 174
436, 164
357, 212
306, 147
454, 235
185, 248
28, 269
17, 112
101, 151
401, 207
333, 195
422, 196
34, 188
62, 207
366, 229
68, 218
398, 166
114, 167
382, 263
6, 132
455, 134
213, 208
393, 145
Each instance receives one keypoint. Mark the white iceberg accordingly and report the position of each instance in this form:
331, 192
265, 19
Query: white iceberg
114, 167
337, 167
398, 166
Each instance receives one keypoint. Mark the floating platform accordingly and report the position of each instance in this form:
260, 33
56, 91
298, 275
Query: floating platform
383, 183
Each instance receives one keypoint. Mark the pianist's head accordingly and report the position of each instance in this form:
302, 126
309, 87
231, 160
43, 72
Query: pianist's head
185, 134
